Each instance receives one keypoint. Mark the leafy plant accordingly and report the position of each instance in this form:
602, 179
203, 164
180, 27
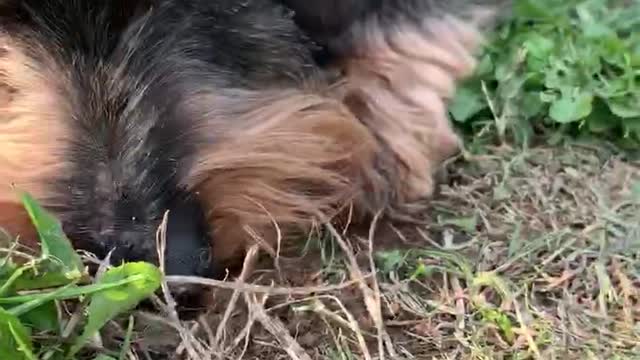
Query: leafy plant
58, 274
570, 67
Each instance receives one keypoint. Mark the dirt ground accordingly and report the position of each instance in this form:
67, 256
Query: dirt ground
522, 255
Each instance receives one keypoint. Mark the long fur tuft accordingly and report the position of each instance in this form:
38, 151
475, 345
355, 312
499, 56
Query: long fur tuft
397, 80
294, 157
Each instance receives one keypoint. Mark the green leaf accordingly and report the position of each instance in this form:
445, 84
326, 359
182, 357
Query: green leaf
43, 318
390, 260
626, 107
531, 104
44, 281
571, 108
103, 357
15, 340
539, 46
420, 271
106, 305
466, 103
596, 30
45, 273
68, 292
532, 9
502, 321
9, 274
37, 301
485, 66
601, 120
7, 268
53, 240
631, 127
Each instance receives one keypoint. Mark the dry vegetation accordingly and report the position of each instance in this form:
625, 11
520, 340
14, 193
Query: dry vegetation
529, 254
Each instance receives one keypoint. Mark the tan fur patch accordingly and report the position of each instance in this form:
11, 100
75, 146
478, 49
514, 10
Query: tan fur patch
16, 222
398, 82
291, 158
32, 135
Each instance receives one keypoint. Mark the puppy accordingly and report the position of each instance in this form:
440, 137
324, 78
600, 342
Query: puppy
114, 112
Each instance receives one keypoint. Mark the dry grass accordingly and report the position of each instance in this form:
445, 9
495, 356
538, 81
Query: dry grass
525, 255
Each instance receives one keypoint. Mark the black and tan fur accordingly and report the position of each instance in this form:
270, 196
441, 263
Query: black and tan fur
112, 112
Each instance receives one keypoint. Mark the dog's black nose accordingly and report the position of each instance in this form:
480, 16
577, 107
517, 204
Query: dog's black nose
188, 247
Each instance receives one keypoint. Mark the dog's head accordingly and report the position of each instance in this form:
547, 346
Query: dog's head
110, 166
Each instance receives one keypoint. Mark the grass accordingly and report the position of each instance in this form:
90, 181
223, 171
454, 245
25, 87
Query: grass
531, 249
34, 288
526, 255
558, 68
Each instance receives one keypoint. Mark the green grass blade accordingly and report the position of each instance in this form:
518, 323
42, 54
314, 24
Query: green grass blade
15, 340
53, 240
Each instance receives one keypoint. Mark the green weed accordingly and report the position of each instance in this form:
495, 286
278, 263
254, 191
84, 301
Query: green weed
558, 68
56, 275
